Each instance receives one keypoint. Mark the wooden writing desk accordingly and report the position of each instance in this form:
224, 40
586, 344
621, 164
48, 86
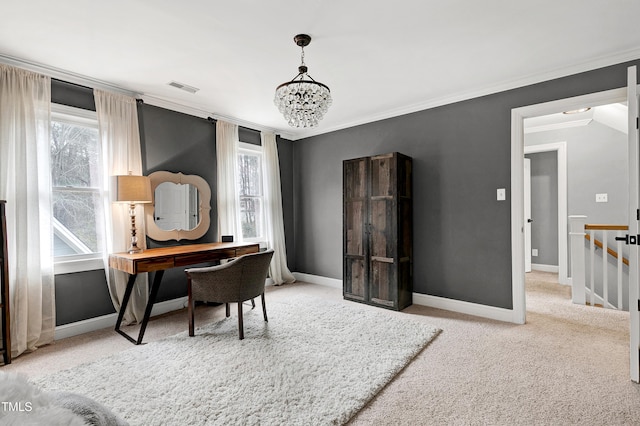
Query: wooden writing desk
159, 259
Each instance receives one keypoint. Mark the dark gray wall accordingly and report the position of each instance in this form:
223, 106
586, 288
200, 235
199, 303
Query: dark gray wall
177, 142
544, 207
81, 295
286, 161
461, 152
73, 95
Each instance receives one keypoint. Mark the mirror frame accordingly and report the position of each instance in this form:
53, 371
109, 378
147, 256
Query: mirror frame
155, 232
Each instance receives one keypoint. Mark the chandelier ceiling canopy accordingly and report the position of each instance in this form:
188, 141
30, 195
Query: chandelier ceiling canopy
303, 101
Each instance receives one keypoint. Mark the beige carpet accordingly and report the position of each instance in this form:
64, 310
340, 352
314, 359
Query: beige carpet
567, 365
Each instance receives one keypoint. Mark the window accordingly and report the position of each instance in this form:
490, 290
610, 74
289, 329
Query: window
250, 192
75, 159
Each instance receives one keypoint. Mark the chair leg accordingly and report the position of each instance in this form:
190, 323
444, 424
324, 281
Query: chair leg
264, 309
253, 303
190, 311
240, 324
228, 310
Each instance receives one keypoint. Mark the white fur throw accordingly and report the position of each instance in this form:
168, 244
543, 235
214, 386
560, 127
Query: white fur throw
22, 403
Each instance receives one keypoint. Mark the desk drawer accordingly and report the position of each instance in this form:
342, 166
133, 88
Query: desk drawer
207, 256
246, 250
155, 264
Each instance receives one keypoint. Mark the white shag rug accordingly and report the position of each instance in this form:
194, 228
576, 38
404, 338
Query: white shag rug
315, 362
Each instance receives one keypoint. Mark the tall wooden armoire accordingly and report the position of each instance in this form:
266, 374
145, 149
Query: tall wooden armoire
377, 222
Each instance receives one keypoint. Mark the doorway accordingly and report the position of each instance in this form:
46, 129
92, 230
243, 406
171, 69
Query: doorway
518, 116
559, 149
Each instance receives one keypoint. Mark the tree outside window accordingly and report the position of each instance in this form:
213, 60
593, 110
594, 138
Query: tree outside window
250, 191
75, 172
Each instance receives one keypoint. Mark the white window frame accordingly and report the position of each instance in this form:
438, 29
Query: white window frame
247, 148
87, 261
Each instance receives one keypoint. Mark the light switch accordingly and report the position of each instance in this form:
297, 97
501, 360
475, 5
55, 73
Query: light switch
502, 194
602, 198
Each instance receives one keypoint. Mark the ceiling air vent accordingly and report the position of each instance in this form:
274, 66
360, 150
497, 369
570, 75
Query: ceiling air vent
184, 87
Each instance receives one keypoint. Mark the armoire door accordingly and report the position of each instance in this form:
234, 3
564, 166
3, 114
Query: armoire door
355, 217
383, 239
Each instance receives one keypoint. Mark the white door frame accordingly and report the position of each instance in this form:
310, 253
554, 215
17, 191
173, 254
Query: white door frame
634, 252
517, 179
563, 252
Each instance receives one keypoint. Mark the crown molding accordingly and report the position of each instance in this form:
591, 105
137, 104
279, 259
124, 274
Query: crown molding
67, 76
600, 62
198, 112
173, 106
83, 80
250, 125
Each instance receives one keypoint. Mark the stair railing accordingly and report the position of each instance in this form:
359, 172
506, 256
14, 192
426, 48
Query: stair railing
598, 237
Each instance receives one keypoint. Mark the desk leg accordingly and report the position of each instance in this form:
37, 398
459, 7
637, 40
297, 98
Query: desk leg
152, 298
123, 306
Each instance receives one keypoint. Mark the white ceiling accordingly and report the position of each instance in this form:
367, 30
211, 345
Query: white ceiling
380, 58
612, 115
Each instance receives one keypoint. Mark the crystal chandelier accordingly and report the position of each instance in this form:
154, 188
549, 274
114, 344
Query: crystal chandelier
303, 101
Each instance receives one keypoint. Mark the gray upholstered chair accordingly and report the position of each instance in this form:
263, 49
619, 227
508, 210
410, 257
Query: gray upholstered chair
234, 282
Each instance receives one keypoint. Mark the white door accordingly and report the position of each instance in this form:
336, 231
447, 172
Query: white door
634, 212
527, 215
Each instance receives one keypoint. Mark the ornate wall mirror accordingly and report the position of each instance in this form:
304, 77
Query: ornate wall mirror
180, 208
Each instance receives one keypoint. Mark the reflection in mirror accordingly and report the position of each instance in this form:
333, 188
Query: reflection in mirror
181, 208
176, 206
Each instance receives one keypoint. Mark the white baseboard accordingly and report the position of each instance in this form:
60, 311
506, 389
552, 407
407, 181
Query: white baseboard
109, 321
545, 268
85, 326
484, 311
316, 279
491, 312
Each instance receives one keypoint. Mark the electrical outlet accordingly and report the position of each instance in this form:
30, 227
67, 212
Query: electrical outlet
501, 194
602, 198
534, 252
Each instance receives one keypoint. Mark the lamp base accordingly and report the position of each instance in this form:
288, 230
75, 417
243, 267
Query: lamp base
133, 248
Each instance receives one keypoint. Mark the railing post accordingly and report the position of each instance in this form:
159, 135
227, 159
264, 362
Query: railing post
592, 267
605, 270
620, 257
576, 234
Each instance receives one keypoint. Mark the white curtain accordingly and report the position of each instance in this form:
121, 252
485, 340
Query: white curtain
25, 183
278, 270
227, 170
120, 141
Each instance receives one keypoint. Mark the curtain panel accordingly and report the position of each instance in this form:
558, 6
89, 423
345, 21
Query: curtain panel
120, 142
25, 183
228, 200
274, 222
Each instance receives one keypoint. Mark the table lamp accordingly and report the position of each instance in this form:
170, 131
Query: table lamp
133, 190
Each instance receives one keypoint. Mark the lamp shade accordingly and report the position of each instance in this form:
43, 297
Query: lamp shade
131, 189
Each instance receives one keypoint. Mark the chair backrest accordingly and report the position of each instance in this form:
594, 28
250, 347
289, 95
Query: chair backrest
255, 268
237, 281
